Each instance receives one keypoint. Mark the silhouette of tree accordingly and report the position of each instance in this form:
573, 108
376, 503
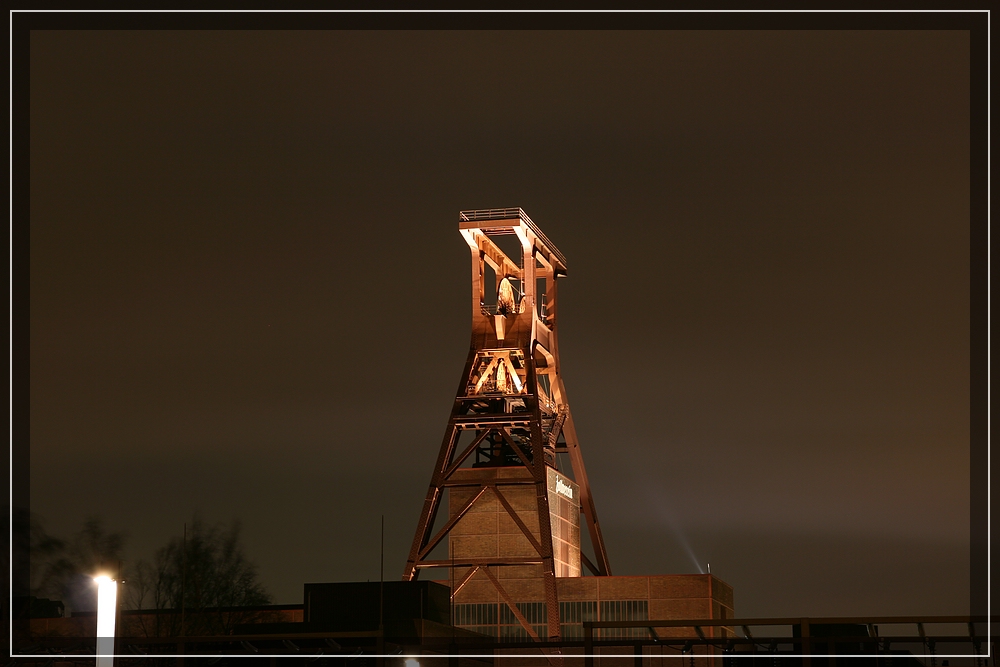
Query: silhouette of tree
65, 569
49, 560
206, 575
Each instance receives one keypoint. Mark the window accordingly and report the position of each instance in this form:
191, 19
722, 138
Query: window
481, 618
573, 614
624, 610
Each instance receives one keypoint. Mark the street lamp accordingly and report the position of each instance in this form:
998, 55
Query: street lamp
107, 607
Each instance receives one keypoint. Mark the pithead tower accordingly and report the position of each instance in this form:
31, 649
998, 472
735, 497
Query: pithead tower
513, 521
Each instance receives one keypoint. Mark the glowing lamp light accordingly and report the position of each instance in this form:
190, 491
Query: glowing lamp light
107, 604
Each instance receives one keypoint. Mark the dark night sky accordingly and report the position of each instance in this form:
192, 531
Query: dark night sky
249, 297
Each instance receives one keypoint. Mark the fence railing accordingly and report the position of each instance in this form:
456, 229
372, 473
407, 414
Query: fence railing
508, 214
737, 637
968, 640
492, 214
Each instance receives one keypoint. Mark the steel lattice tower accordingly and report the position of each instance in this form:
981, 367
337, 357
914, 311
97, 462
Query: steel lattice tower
511, 412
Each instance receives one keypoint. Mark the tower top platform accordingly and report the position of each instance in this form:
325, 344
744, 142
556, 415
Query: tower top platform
504, 221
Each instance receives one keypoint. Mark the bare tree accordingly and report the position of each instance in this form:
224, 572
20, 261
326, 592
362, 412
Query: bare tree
207, 575
65, 569
49, 561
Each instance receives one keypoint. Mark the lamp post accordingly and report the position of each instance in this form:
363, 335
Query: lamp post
107, 607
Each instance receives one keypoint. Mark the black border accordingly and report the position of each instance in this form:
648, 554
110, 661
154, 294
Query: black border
976, 22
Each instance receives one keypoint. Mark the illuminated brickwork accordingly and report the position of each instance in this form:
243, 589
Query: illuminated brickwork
662, 597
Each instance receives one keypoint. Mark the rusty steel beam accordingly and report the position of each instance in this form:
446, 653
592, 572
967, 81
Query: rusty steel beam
517, 450
428, 512
517, 519
464, 580
455, 483
469, 562
512, 605
465, 453
589, 565
433, 542
586, 497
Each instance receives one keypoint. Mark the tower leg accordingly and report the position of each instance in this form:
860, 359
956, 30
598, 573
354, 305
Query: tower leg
586, 499
540, 472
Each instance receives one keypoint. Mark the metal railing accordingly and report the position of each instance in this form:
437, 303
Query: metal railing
801, 641
507, 214
492, 214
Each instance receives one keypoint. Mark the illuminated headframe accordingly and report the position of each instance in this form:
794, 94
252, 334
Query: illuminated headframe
513, 303
510, 411
524, 284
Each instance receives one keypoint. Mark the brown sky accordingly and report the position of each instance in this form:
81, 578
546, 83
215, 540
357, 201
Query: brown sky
249, 297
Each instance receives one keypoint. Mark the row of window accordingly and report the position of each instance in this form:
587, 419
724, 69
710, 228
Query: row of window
497, 619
